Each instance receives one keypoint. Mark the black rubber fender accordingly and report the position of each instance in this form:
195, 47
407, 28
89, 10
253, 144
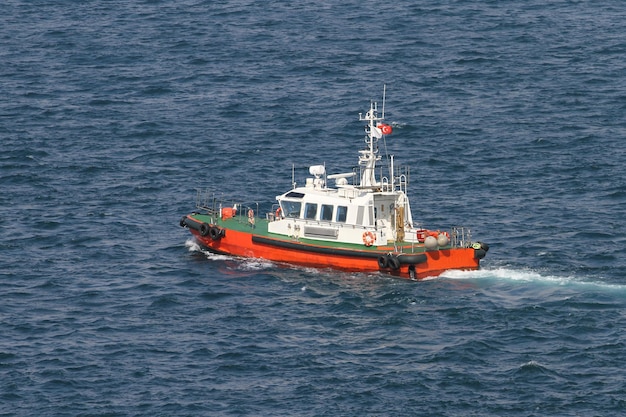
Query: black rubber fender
382, 261
190, 223
479, 253
412, 258
204, 229
182, 222
393, 262
215, 233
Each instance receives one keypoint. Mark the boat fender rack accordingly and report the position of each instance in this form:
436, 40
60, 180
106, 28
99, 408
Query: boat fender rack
395, 261
205, 229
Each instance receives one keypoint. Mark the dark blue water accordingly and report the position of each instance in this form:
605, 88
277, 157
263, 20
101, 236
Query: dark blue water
512, 116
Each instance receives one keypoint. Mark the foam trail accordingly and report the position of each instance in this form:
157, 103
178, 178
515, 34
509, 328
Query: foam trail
505, 274
529, 276
246, 264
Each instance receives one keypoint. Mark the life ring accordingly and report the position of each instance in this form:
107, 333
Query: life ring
277, 214
369, 238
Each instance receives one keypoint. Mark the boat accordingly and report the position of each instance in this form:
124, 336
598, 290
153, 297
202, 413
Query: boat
359, 220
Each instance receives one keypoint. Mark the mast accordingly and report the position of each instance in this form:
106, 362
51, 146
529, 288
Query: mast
369, 156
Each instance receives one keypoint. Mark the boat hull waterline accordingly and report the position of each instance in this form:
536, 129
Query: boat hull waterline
223, 237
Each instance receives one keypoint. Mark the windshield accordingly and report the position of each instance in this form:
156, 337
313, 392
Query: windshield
291, 208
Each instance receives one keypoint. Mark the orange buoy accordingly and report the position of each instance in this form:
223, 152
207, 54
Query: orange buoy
368, 238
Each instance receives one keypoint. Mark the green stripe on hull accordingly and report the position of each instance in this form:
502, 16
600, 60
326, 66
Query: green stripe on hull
241, 224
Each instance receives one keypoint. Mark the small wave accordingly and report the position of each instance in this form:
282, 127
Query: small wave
535, 372
192, 246
535, 369
255, 264
531, 365
165, 301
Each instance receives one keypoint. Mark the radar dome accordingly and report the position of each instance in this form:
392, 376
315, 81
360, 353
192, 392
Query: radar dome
317, 170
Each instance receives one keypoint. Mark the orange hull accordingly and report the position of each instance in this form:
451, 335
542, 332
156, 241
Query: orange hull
249, 245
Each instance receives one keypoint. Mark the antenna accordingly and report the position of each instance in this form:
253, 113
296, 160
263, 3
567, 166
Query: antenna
384, 95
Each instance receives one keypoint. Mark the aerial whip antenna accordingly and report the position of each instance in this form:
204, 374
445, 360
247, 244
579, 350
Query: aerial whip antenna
384, 94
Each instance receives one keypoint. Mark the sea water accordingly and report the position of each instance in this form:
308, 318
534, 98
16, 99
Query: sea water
511, 116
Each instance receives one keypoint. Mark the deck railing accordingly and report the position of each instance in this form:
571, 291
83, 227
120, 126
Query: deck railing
461, 237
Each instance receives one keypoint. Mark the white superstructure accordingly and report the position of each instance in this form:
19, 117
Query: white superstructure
376, 211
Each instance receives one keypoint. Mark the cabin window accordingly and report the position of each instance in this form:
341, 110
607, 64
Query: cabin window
310, 211
291, 208
327, 212
359, 214
342, 214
